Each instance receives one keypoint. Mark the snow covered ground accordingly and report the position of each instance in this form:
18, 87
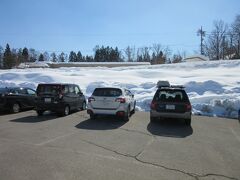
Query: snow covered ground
213, 87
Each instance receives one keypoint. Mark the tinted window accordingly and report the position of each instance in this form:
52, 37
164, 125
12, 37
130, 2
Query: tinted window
171, 95
49, 88
65, 89
109, 92
3, 90
18, 91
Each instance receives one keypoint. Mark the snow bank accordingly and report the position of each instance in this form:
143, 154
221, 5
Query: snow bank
213, 86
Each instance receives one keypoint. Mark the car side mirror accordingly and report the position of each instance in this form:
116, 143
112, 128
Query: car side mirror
80, 93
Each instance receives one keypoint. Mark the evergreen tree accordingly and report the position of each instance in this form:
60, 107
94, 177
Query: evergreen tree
53, 57
79, 57
41, 57
72, 57
25, 55
62, 57
8, 59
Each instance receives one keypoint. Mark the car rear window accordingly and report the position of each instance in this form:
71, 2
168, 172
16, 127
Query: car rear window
49, 88
171, 95
108, 92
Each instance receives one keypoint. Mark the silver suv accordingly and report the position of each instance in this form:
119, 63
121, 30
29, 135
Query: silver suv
111, 101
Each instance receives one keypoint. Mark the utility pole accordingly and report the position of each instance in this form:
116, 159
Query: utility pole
201, 33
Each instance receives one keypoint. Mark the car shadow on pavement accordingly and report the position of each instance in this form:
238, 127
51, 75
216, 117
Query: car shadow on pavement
35, 119
170, 128
101, 123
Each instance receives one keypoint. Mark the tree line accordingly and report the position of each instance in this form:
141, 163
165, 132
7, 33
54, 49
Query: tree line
157, 54
223, 42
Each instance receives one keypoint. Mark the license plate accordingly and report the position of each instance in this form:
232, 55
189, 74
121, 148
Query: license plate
47, 100
170, 107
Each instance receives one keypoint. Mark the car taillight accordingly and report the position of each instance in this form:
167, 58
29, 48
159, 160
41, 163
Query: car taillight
153, 105
121, 100
188, 107
90, 99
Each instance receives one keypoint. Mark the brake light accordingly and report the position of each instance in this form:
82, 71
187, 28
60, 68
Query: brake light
153, 105
90, 99
121, 100
188, 107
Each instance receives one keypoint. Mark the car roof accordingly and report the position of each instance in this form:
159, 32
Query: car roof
59, 84
171, 88
111, 88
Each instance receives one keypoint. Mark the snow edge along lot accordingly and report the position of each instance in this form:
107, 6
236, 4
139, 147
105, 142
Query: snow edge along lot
213, 86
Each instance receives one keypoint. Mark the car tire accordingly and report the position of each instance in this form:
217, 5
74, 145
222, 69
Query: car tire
133, 111
39, 112
84, 106
127, 115
65, 111
188, 122
16, 108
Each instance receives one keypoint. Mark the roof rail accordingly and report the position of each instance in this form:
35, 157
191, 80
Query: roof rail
178, 86
173, 86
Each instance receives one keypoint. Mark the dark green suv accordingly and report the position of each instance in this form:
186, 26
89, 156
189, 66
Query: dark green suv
171, 102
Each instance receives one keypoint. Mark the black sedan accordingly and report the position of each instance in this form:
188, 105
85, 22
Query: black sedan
15, 99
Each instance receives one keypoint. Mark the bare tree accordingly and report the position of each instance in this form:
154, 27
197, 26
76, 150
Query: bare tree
235, 38
159, 54
215, 47
129, 53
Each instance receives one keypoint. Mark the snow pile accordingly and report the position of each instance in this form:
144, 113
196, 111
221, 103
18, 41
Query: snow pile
213, 86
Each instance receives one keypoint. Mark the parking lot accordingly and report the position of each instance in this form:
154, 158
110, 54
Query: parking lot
75, 147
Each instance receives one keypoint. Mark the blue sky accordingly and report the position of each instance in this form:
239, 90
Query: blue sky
64, 25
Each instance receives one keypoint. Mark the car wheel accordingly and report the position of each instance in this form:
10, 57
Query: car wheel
84, 106
40, 112
66, 111
16, 108
188, 122
127, 115
133, 111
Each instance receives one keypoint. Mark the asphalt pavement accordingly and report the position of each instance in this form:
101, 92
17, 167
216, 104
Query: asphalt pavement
74, 147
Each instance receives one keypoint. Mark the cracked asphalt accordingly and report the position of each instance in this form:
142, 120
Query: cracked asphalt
75, 147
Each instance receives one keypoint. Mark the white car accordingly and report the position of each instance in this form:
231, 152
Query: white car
111, 101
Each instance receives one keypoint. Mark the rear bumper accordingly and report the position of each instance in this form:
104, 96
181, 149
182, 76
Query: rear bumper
55, 107
186, 115
102, 111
